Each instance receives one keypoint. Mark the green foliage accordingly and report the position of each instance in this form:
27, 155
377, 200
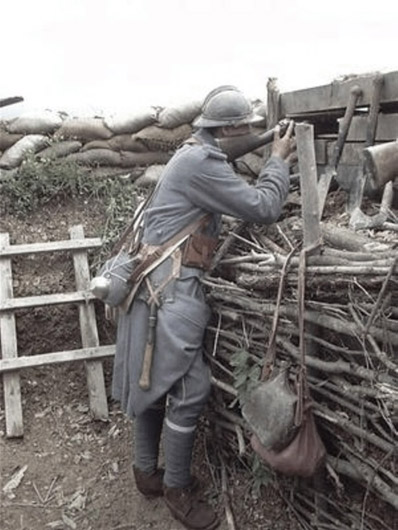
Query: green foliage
262, 475
38, 181
41, 181
246, 373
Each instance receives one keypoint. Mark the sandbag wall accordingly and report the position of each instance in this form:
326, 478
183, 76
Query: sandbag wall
139, 144
107, 146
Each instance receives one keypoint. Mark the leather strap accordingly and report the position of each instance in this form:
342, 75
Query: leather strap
159, 255
270, 355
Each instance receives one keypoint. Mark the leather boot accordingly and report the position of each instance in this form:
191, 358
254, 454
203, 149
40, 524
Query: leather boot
149, 484
189, 509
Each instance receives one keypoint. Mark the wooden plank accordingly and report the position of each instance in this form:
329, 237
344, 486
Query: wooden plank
11, 381
320, 151
310, 211
352, 154
49, 246
386, 131
309, 196
44, 359
89, 332
335, 95
12, 304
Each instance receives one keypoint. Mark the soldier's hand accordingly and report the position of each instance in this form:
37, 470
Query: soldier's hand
285, 146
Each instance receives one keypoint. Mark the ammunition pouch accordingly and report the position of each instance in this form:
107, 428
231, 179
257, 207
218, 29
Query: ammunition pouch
198, 251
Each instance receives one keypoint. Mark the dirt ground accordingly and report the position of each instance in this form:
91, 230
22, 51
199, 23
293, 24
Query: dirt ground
75, 473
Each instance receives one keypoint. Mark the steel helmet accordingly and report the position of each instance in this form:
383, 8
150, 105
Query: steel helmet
226, 105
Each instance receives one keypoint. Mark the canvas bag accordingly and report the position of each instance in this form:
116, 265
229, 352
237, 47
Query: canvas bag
306, 453
269, 409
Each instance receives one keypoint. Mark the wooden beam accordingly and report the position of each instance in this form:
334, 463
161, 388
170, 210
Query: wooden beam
89, 331
352, 154
310, 207
335, 95
44, 359
12, 304
309, 193
8, 334
50, 246
320, 146
386, 131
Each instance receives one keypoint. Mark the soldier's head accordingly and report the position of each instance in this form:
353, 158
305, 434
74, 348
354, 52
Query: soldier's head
227, 112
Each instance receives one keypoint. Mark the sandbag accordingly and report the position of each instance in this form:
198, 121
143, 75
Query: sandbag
172, 117
158, 139
101, 172
30, 143
131, 123
7, 139
44, 122
95, 157
96, 144
250, 164
107, 157
129, 159
151, 175
126, 142
120, 142
83, 129
60, 149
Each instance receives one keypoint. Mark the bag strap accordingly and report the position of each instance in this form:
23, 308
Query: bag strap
160, 254
133, 225
302, 383
269, 359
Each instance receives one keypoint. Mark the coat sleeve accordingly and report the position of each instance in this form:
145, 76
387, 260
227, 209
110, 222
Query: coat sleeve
215, 187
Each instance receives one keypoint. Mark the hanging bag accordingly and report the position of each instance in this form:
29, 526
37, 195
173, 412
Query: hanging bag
269, 408
305, 453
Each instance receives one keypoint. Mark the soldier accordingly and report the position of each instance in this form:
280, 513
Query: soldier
198, 185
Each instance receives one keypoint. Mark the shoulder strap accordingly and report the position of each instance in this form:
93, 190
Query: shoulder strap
269, 359
134, 224
160, 254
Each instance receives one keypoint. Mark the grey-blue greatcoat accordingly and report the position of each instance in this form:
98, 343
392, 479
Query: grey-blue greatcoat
197, 180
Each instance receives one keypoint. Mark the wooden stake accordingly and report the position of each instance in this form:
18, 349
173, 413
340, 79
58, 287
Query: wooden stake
12, 386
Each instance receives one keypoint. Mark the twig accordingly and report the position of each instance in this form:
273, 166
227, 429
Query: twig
224, 386
227, 504
380, 297
344, 423
127, 526
47, 498
38, 493
347, 468
382, 356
